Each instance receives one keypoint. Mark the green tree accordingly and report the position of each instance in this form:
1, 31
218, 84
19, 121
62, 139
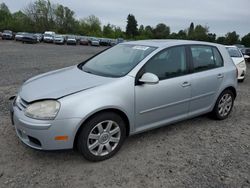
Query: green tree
64, 19
118, 33
161, 31
5, 17
131, 28
4, 8
221, 40
246, 40
108, 31
232, 38
200, 33
191, 31
41, 13
148, 32
91, 26
211, 37
182, 34
20, 22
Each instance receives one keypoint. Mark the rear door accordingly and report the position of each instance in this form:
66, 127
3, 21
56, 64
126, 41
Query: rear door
207, 77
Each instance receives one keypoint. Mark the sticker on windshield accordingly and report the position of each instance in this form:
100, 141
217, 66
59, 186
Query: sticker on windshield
140, 48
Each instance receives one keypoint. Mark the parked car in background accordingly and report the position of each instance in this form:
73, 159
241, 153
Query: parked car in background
238, 60
125, 90
49, 36
246, 52
113, 42
240, 46
7, 35
59, 39
84, 41
39, 37
120, 40
29, 38
95, 42
71, 40
19, 36
1, 34
104, 42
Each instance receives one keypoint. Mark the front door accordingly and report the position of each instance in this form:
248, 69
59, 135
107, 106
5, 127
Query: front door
168, 100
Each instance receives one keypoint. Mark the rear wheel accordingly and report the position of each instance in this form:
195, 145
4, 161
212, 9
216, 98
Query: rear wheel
224, 105
102, 136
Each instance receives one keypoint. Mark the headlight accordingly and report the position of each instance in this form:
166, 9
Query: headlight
242, 64
44, 110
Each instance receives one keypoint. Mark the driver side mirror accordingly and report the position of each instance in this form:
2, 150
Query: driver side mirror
149, 78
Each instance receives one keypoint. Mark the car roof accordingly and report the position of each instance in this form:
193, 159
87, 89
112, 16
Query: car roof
168, 42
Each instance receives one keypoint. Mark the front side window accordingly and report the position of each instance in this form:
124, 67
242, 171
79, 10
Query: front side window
205, 58
168, 63
118, 60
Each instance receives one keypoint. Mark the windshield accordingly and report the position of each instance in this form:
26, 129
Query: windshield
117, 61
234, 52
47, 35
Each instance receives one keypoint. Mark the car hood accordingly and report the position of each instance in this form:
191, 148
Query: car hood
237, 60
59, 83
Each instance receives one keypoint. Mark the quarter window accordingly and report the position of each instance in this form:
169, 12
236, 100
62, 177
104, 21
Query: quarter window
205, 58
168, 63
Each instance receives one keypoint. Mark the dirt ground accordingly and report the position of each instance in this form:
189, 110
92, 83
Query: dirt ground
200, 152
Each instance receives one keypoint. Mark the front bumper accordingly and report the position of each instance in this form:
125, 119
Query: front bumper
39, 134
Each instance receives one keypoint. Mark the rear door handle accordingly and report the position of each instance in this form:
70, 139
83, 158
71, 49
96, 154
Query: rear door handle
186, 84
220, 76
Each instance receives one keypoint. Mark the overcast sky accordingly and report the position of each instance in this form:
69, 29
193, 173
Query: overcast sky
220, 15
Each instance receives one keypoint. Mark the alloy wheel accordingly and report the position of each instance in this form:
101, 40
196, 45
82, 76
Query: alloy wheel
104, 138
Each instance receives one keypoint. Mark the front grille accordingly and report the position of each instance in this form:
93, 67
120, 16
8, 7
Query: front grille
21, 104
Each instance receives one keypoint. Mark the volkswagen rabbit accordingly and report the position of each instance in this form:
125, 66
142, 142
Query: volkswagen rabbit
125, 90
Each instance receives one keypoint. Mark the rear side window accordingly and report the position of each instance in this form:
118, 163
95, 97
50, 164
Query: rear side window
205, 58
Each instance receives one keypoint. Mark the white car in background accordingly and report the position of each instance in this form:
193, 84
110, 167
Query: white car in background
238, 60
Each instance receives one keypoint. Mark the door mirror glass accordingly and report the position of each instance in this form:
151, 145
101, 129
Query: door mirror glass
149, 78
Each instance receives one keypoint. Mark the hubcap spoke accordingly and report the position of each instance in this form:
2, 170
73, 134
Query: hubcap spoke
100, 128
114, 131
94, 136
100, 149
113, 139
108, 147
94, 145
110, 123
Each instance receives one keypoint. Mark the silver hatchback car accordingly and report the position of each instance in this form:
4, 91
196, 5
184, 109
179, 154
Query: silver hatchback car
125, 90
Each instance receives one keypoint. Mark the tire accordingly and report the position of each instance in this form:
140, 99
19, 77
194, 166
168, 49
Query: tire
223, 105
101, 137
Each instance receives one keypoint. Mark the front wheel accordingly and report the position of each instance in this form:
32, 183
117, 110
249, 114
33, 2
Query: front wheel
224, 105
102, 136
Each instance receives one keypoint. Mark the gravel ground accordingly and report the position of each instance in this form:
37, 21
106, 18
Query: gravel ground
196, 153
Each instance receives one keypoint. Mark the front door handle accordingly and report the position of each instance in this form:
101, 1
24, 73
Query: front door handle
220, 76
186, 84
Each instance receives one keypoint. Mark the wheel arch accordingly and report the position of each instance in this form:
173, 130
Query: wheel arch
117, 111
231, 88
